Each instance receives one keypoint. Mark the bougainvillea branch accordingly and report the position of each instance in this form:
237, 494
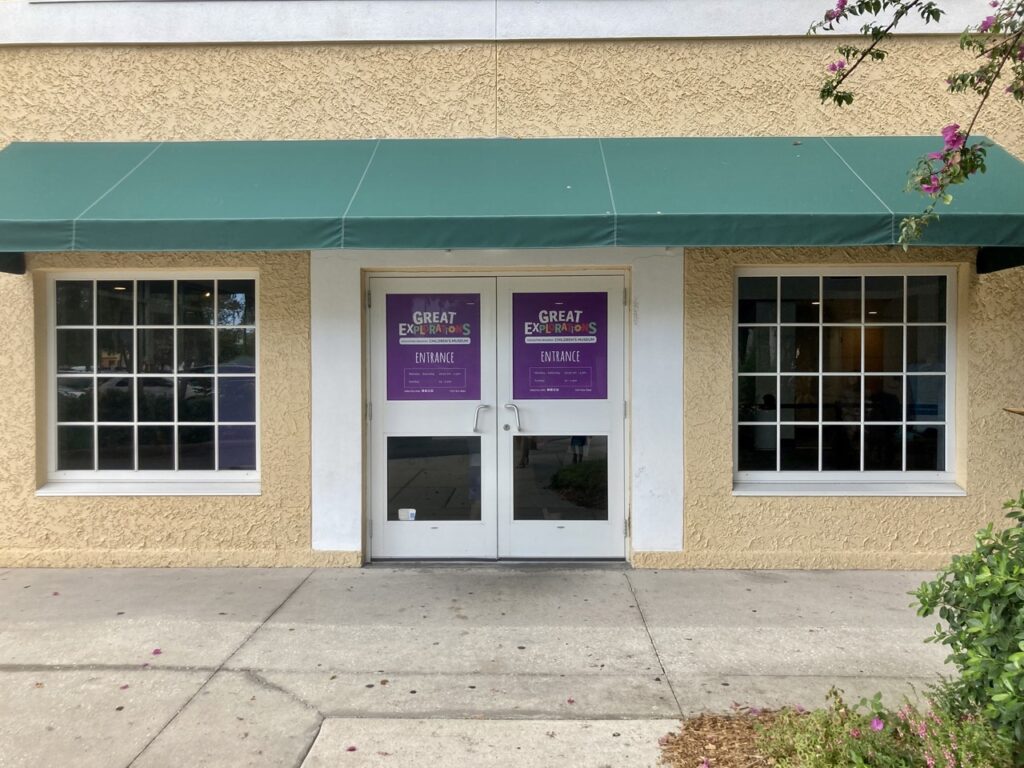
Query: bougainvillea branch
997, 42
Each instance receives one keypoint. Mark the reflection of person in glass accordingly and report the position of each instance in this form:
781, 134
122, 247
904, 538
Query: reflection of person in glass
579, 445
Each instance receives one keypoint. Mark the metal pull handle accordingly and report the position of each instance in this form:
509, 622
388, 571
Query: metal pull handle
515, 409
476, 417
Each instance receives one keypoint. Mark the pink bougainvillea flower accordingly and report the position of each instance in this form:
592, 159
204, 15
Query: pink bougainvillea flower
837, 66
953, 138
877, 724
931, 187
987, 24
705, 763
936, 155
157, 652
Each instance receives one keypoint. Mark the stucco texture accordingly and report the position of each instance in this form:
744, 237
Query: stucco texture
631, 88
846, 532
270, 529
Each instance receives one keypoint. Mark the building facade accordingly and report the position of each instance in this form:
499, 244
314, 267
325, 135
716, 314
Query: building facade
800, 403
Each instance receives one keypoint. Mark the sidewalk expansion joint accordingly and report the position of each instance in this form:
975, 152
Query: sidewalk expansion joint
654, 646
220, 667
309, 747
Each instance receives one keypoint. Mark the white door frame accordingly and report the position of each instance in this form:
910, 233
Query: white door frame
654, 355
402, 539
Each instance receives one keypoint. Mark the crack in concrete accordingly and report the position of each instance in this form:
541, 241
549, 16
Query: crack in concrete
654, 646
262, 682
220, 667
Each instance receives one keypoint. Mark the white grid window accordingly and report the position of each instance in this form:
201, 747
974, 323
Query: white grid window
154, 377
844, 375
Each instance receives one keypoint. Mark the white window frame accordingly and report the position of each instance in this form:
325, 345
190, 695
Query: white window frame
164, 482
853, 482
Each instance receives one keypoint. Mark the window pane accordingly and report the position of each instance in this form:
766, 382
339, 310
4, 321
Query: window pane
74, 351
195, 448
800, 300
883, 448
840, 448
926, 348
114, 302
799, 447
156, 447
74, 448
841, 302
756, 398
841, 349
74, 400
114, 351
926, 299
236, 302
757, 350
237, 447
156, 351
156, 302
116, 448
883, 348
156, 399
840, 398
116, 401
799, 399
883, 299
195, 302
437, 477
236, 350
74, 302
884, 398
757, 299
195, 399
926, 398
237, 399
195, 351
926, 449
560, 477
756, 448
799, 349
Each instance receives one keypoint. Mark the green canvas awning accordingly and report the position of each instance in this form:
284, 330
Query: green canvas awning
488, 193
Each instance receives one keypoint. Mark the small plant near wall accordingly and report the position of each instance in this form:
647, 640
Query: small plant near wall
979, 597
870, 734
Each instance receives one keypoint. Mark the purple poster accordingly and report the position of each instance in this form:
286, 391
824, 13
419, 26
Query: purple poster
560, 346
433, 346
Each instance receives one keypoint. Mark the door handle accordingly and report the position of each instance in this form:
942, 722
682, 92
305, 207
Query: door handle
476, 417
515, 409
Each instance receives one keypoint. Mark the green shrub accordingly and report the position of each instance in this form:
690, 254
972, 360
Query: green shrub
980, 599
869, 734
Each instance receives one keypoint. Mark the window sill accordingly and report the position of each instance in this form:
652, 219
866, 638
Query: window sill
847, 489
144, 488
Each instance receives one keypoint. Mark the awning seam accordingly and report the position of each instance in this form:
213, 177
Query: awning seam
892, 215
94, 203
611, 195
355, 192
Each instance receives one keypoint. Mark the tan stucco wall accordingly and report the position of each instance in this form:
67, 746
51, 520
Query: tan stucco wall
856, 532
270, 529
700, 87
719, 87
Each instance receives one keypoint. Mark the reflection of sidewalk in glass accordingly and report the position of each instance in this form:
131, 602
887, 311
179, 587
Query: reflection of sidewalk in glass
438, 488
583, 488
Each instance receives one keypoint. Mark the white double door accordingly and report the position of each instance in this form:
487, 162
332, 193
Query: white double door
497, 417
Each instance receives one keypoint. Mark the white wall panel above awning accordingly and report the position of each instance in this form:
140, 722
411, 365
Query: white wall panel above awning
245, 21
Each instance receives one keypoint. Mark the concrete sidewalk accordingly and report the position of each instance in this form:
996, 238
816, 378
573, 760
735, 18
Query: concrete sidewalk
436, 666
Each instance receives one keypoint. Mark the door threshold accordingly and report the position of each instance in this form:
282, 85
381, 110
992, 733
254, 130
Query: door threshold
589, 563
